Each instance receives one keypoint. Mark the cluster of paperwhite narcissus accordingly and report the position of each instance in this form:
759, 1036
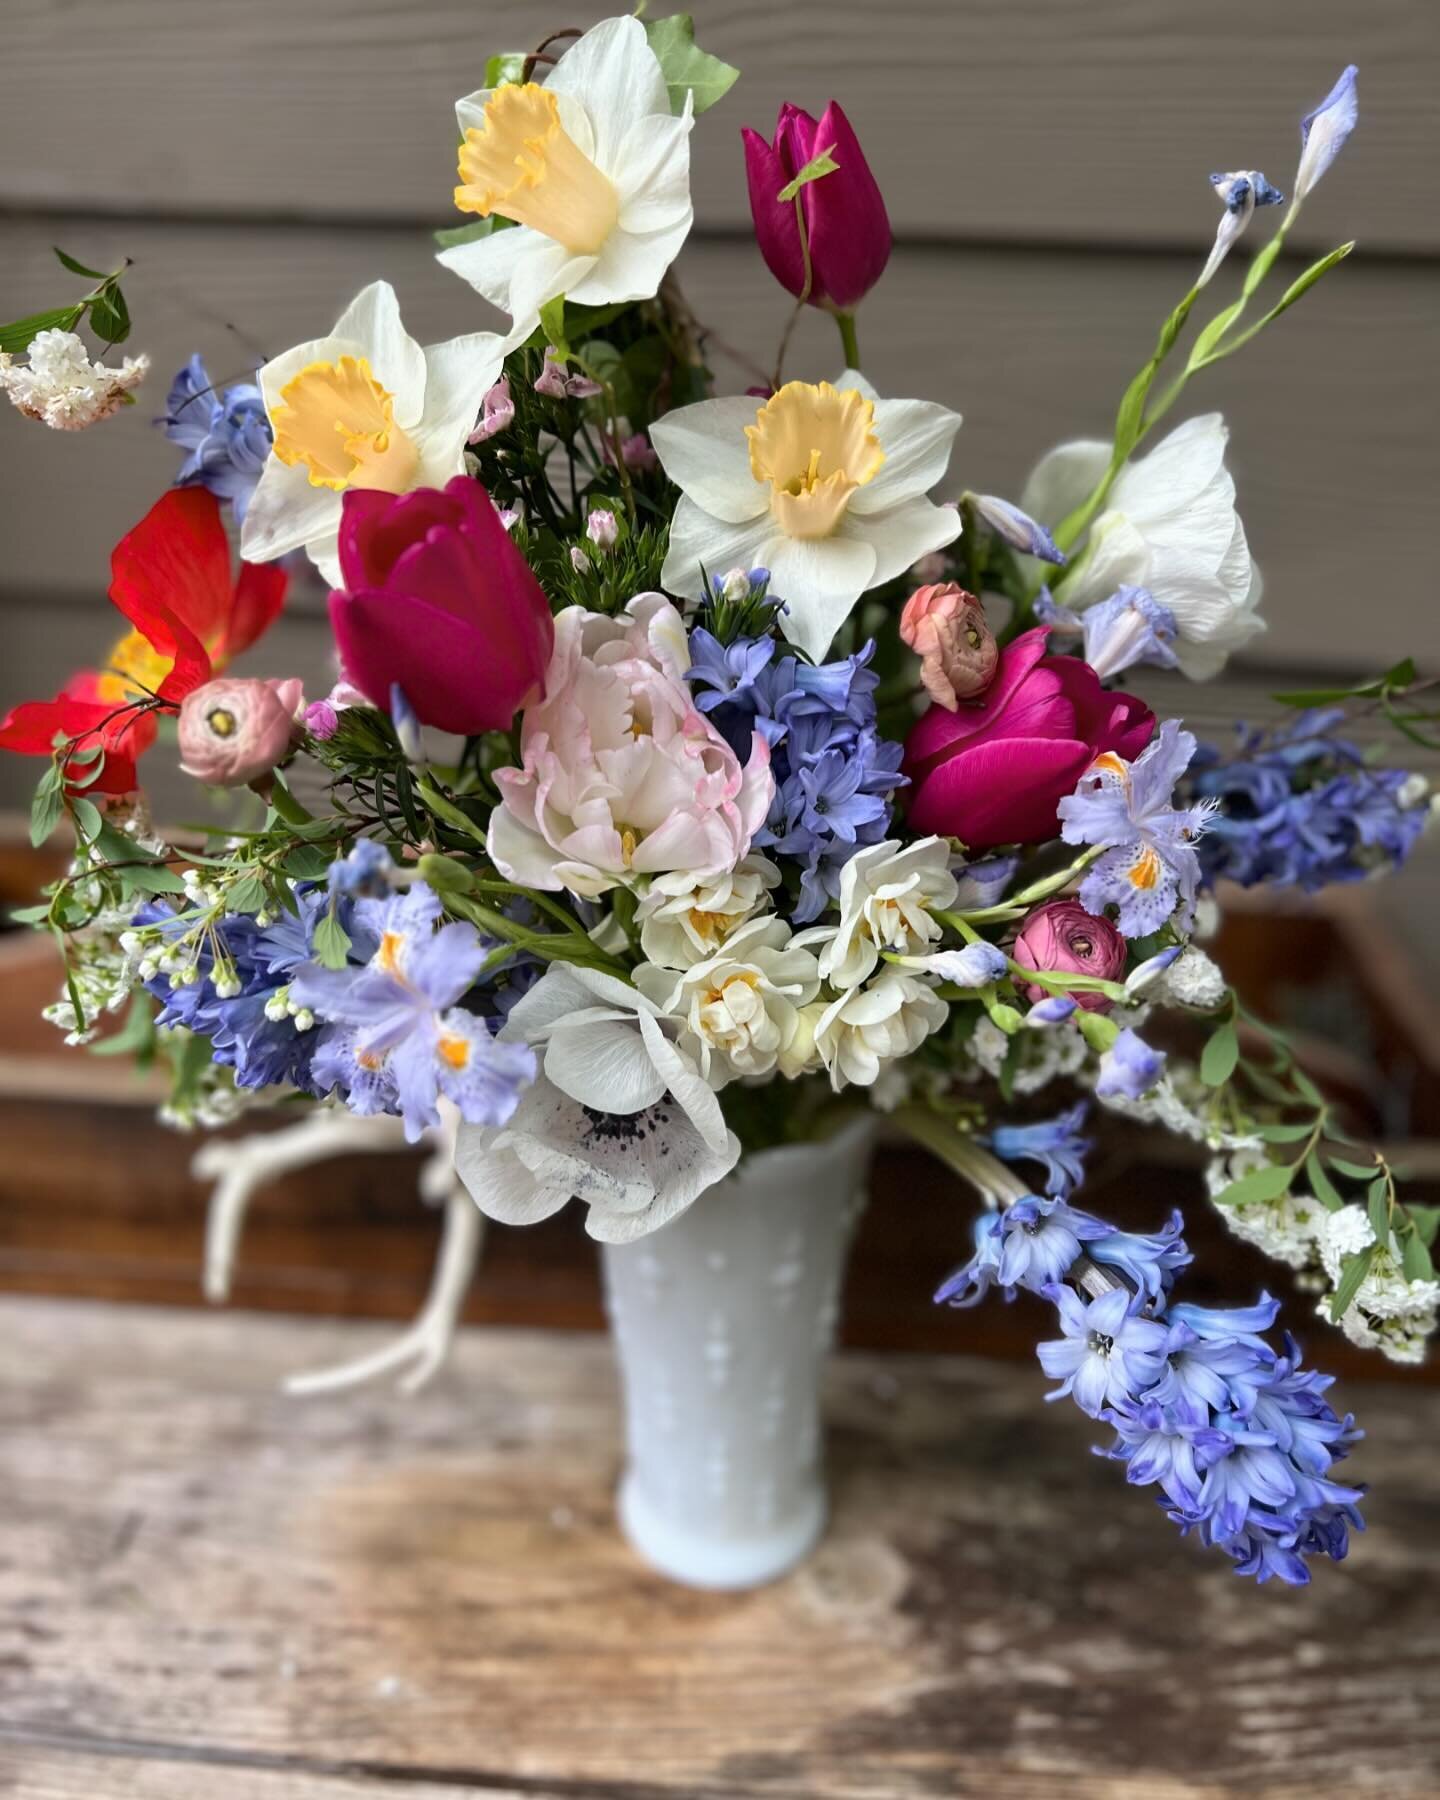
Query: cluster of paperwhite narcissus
693, 773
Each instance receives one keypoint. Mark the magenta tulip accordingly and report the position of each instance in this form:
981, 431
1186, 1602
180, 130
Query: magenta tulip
993, 771
439, 602
846, 224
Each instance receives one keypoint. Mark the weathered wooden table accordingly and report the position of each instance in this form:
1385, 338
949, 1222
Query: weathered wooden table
209, 1592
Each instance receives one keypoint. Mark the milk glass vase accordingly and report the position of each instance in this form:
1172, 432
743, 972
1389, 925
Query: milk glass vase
723, 1319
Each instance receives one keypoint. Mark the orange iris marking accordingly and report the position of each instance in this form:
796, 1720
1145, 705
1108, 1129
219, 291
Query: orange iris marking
1146, 871
455, 1051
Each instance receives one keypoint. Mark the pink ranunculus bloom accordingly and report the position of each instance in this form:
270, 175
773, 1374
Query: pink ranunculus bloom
1063, 935
439, 602
845, 219
234, 730
947, 630
993, 772
621, 775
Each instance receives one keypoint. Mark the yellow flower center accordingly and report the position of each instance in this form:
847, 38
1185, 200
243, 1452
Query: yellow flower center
524, 165
133, 670
339, 422
815, 445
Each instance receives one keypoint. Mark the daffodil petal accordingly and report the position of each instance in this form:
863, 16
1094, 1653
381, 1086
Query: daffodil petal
917, 436
652, 174
372, 320
697, 537
457, 376
630, 266
285, 512
820, 579
704, 452
909, 530
616, 76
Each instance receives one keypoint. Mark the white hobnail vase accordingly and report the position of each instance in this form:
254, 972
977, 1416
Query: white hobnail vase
723, 1320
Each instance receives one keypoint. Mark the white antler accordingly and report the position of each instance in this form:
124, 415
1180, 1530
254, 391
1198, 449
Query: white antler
240, 1166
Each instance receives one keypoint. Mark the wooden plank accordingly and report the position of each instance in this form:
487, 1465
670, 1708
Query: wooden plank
434, 1591
146, 1772
1050, 121
1333, 448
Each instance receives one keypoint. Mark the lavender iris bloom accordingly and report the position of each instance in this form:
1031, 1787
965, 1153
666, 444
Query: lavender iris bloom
1016, 528
1324, 131
1129, 1068
227, 436
1057, 1144
1150, 864
1130, 627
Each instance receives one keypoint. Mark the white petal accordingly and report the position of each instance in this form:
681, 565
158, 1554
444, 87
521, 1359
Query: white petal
899, 537
457, 377
324, 551
1062, 478
652, 177
616, 76
1115, 554
286, 512
397, 362
470, 112
852, 378
518, 270
630, 266
819, 579
1176, 473
706, 454
916, 436
696, 538
603, 1064
685, 1082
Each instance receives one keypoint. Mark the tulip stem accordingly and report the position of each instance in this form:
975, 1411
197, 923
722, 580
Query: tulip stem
846, 323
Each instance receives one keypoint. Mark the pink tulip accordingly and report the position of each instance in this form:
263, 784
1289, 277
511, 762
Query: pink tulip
1063, 935
846, 224
234, 730
439, 602
993, 772
947, 630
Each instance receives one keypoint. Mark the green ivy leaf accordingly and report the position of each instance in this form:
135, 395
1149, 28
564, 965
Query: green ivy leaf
1268, 1183
818, 166
552, 323
16, 338
1353, 1271
48, 805
686, 67
331, 943
1220, 1055
1321, 1185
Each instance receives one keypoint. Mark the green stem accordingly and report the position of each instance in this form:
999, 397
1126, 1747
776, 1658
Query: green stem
846, 323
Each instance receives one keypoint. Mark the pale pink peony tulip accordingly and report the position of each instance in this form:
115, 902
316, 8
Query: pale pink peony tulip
946, 629
234, 730
621, 775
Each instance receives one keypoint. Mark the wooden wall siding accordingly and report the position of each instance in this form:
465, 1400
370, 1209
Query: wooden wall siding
1086, 123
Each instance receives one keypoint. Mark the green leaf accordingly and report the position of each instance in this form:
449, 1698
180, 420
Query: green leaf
1402, 674
1283, 1134
286, 805
818, 166
1377, 1204
451, 235
247, 895
78, 268
1098, 1032
1305, 1087
1416, 1263
1220, 1055
552, 323
1304, 282
308, 862
1360, 1171
151, 878
17, 337
1425, 1219
1321, 1185
332, 942
48, 805
86, 815
110, 316
446, 875
1210, 335
686, 67
136, 1037
1268, 1183
506, 68
1353, 1271
30, 915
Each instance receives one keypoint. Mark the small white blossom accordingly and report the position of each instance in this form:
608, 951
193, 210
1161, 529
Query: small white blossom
739, 1011
60, 387
887, 895
1389, 1312
867, 1028
685, 918
1194, 980
1412, 791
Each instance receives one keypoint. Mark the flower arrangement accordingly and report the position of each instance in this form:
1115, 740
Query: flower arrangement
692, 778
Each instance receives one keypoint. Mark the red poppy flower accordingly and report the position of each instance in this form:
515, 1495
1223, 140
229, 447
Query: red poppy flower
171, 579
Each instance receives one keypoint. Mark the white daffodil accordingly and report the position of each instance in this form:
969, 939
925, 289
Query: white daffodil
619, 1117
593, 169
685, 917
869, 1027
739, 1010
366, 407
823, 485
1170, 527
887, 893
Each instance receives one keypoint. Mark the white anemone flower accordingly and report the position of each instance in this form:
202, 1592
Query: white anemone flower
619, 1116
823, 484
592, 167
366, 407
1169, 526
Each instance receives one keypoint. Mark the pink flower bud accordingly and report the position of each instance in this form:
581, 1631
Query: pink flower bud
946, 629
321, 720
602, 529
234, 730
1063, 935
497, 412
